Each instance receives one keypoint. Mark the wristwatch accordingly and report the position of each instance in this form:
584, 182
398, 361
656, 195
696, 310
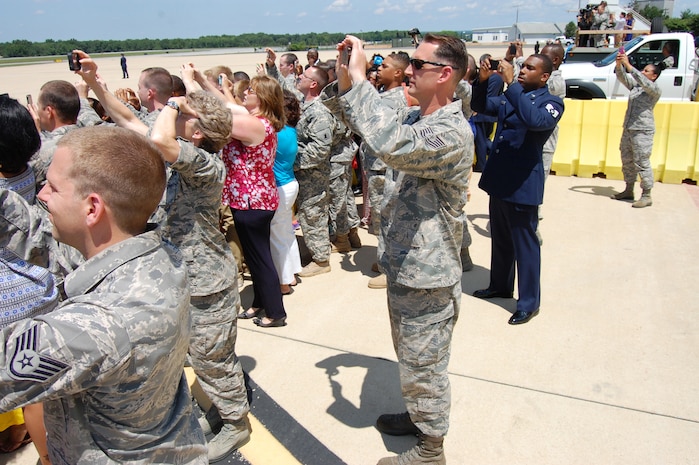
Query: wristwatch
174, 105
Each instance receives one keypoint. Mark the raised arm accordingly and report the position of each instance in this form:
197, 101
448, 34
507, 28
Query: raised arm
121, 115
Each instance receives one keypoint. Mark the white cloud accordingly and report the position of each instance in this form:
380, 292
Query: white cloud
448, 9
39, 12
302, 14
339, 5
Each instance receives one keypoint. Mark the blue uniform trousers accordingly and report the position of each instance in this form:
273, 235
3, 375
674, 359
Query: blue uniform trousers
513, 232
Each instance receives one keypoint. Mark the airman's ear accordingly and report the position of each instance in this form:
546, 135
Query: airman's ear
95, 209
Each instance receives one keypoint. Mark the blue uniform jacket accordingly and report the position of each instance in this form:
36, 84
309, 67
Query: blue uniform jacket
515, 171
495, 88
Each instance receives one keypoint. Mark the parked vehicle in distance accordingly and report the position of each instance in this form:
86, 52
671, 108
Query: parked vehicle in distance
565, 40
598, 80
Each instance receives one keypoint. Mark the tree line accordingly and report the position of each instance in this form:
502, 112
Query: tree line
294, 42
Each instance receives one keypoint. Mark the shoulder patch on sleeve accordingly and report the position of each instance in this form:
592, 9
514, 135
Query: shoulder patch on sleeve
27, 364
552, 110
431, 139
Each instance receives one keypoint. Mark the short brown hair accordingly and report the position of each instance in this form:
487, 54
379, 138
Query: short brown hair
451, 50
63, 97
129, 175
213, 73
160, 80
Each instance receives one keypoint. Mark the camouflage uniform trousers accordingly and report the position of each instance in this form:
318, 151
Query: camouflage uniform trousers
375, 184
312, 213
227, 227
342, 208
549, 150
212, 352
422, 323
466, 241
636, 147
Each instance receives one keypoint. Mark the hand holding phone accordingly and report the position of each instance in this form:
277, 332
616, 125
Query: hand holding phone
73, 61
494, 64
344, 55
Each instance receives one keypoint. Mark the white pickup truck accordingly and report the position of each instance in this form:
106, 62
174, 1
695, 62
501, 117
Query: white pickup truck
679, 82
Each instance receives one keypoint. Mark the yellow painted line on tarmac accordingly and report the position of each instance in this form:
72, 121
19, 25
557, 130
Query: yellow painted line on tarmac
263, 448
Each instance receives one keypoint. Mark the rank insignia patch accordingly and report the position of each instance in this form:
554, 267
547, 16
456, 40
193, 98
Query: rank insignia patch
27, 364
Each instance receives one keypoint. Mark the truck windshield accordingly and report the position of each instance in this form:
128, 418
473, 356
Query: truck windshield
611, 58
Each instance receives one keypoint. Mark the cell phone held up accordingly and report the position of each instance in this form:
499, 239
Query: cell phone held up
494, 64
73, 62
30, 101
344, 56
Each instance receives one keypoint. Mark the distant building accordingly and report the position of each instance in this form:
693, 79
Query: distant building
491, 34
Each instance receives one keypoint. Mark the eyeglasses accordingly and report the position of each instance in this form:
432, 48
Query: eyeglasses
418, 64
251, 91
308, 77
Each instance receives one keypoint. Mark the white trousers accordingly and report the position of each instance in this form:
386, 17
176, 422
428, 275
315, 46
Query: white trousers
282, 238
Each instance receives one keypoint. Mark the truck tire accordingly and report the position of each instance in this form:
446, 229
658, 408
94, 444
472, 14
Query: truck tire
583, 90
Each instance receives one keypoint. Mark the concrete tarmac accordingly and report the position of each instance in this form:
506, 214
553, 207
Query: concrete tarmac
605, 374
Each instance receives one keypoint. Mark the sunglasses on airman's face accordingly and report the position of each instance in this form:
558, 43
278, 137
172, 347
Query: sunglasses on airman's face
418, 64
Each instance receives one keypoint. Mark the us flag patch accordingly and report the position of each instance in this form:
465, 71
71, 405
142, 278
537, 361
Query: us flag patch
28, 365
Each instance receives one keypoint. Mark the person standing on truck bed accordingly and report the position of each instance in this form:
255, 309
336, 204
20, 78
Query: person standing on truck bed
639, 127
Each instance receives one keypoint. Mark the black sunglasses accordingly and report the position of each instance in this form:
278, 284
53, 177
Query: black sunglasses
418, 64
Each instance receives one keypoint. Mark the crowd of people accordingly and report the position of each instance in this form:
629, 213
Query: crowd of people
131, 257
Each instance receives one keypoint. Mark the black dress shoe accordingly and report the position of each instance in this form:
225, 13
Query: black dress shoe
396, 424
250, 313
489, 294
272, 324
520, 317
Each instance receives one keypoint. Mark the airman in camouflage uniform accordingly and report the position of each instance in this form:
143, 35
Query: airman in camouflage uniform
188, 215
557, 87
639, 128
342, 210
107, 364
315, 132
57, 109
431, 151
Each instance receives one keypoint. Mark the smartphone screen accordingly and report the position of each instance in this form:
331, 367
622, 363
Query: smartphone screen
30, 100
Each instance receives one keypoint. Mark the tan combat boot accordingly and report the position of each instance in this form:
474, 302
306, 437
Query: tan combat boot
428, 451
354, 239
341, 244
378, 282
315, 268
626, 194
644, 201
232, 436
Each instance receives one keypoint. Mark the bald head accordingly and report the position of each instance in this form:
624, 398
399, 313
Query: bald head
555, 53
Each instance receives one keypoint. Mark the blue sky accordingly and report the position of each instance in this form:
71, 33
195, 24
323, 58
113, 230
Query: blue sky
38, 20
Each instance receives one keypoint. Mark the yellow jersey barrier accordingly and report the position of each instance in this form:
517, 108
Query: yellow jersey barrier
590, 131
